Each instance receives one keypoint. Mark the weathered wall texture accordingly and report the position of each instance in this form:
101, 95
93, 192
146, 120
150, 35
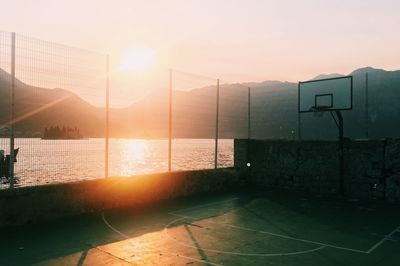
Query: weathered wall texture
29, 204
372, 168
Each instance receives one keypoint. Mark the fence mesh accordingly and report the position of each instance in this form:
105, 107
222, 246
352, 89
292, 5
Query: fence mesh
193, 121
5, 84
138, 127
58, 115
233, 119
274, 111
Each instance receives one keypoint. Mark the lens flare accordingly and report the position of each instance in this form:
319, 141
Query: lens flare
137, 59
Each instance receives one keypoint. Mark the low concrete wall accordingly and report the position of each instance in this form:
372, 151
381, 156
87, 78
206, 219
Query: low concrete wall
372, 168
30, 204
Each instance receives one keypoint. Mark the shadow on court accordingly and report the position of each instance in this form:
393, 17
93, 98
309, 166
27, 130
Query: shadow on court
269, 228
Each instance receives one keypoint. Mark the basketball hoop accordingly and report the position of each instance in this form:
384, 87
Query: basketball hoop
319, 111
333, 94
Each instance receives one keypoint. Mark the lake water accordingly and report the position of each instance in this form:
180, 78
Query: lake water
59, 161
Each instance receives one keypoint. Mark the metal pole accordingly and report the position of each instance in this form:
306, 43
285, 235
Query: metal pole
366, 107
106, 159
170, 123
248, 113
341, 152
248, 126
299, 126
216, 129
12, 144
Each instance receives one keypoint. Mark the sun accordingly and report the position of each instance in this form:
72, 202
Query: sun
137, 59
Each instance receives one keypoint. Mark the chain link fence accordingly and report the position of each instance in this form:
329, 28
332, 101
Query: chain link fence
53, 96
65, 116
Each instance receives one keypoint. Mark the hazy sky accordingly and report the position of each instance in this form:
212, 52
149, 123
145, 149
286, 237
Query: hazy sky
252, 40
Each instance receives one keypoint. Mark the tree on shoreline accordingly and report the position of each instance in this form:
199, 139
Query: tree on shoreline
64, 132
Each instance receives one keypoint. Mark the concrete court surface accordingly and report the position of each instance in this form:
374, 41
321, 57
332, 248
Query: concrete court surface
269, 228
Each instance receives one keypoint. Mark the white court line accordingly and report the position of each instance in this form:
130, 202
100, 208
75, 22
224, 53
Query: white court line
153, 249
278, 235
320, 244
111, 227
202, 206
238, 253
274, 234
383, 239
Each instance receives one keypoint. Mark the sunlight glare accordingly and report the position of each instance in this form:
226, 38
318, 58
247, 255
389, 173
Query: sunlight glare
137, 59
136, 149
133, 156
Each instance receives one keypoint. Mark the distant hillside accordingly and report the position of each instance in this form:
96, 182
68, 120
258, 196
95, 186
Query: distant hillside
47, 107
273, 111
328, 76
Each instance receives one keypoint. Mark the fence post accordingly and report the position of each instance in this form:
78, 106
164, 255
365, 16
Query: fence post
248, 113
366, 107
106, 154
170, 123
248, 126
299, 126
216, 129
12, 110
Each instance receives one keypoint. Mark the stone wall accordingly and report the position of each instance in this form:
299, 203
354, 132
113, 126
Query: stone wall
372, 168
372, 171
31, 204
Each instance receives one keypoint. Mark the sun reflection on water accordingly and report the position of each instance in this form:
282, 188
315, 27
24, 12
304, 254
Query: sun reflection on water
133, 154
84, 159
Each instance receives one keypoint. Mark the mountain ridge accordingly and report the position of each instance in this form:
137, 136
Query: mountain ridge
274, 110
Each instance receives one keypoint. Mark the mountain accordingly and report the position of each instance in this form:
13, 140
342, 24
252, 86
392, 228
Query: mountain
37, 108
328, 76
273, 111
362, 71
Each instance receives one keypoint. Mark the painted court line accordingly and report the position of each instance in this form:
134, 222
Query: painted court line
384, 239
320, 245
202, 206
154, 249
238, 253
279, 235
111, 227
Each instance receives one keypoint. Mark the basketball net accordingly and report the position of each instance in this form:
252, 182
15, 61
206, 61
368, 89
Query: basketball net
319, 111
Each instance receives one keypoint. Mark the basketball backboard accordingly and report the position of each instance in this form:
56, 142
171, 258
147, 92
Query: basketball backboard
333, 94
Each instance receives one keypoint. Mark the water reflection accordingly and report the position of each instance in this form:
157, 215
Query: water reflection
59, 161
133, 153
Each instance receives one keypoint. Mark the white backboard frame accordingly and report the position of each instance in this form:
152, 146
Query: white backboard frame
315, 93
